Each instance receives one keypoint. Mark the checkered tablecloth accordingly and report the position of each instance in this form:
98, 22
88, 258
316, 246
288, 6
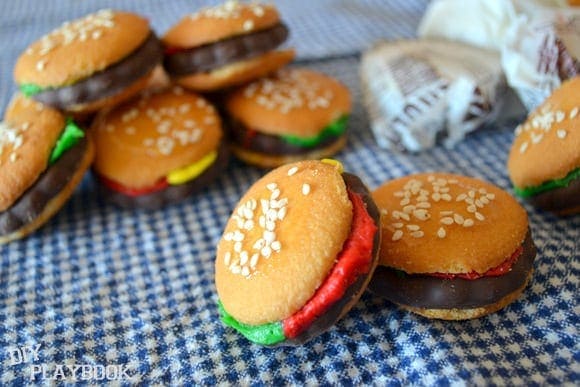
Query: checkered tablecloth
130, 293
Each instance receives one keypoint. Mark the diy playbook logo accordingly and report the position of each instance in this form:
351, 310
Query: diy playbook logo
29, 357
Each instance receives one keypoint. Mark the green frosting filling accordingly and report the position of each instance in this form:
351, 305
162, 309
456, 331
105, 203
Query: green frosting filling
29, 89
549, 185
265, 334
336, 128
69, 138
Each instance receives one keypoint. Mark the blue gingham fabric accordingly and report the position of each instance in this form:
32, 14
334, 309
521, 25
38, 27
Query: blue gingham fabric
127, 297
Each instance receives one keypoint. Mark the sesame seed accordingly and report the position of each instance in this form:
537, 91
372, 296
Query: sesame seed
468, 223
227, 258
471, 208
441, 232
275, 194
235, 269
417, 234
244, 257
436, 196
292, 171
266, 251
281, 213
384, 211
446, 197
458, 218
305, 189
405, 201
461, 197
537, 138
421, 214
413, 227
561, 133
398, 234
41, 65
259, 244
276, 246
447, 220
245, 271
560, 115
254, 260
399, 194
248, 25
484, 200
490, 196
573, 113
479, 216
397, 225
445, 213
408, 209
271, 186
424, 205
238, 247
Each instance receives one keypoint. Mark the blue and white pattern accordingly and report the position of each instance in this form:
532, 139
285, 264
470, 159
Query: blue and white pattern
130, 293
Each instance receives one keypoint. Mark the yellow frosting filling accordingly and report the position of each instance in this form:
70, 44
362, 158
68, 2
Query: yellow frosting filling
337, 164
183, 175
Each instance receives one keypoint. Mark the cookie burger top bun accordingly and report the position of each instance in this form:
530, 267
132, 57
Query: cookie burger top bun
225, 45
27, 137
297, 253
445, 223
143, 140
100, 56
213, 24
294, 101
547, 145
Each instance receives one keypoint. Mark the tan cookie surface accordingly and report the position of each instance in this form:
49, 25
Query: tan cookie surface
282, 241
547, 144
80, 48
445, 223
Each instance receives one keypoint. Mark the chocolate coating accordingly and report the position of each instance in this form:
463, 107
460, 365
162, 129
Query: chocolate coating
564, 200
217, 54
49, 184
171, 194
429, 292
271, 144
109, 81
354, 291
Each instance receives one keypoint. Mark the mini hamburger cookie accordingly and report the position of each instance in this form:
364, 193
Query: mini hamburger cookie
43, 157
293, 115
89, 63
544, 161
225, 45
158, 148
297, 253
452, 248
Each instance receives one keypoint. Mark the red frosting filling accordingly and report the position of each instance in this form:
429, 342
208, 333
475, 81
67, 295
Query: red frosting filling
501, 269
113, 185
354, 259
